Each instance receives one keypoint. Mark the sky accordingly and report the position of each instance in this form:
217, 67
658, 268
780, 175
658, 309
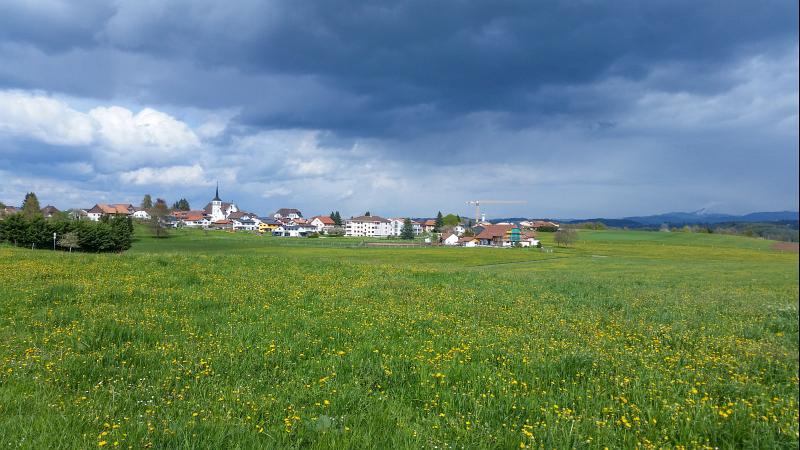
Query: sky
577, 108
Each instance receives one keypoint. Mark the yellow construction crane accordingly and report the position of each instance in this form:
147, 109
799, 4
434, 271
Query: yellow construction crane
478, 204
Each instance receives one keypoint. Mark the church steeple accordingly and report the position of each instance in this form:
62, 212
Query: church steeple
216, 196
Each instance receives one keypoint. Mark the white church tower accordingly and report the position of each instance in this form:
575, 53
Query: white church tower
216, 207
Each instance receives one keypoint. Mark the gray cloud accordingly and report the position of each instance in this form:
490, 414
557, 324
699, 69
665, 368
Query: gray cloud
659, 104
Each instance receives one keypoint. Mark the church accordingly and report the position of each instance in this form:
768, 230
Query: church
219, 210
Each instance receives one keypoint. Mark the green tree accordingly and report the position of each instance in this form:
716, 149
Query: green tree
338, 219
147, 202
181, 205
439, 223
30, 207
69, 240
13, 229
157, 214
367, 214
121, 228
450, 220
565, 236
407, 232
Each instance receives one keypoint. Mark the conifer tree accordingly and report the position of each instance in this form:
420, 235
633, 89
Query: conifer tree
30, 207
439, 222
147, 202
407, 232
181, 205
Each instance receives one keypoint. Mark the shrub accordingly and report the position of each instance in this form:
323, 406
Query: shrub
110, 235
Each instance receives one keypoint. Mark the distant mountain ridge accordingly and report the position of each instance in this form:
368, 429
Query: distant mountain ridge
696, 217
699, 217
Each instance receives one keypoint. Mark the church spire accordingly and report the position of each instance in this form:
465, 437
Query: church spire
216, 196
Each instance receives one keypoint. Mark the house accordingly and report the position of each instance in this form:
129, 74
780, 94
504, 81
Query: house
49, 211
244, 224
116, 209
169, 222
236, 215
141, 214
368, 226
496, 235
293, 231
193, 219
287, 213
267, 225
9, 210
468, 241
429, 225
323, 224
459, 229
528, 241
506, 235
223, 224
398, 223
77, 213
449, 239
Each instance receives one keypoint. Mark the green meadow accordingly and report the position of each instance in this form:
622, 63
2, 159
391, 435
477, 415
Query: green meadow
221, 340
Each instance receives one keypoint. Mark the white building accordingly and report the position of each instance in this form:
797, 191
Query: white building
244, 224
116, 209
219, 210
397, 226
293, 231
323, 224
449, 239
141, 214
468, 241
287, 213
368, 226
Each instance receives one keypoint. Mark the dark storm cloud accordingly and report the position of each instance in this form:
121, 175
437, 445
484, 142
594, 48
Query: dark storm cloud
395, 68
589, 107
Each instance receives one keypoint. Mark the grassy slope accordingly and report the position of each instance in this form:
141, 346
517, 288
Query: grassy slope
233, 340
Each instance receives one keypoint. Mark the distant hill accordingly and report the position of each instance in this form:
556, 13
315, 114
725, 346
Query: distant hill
701, 217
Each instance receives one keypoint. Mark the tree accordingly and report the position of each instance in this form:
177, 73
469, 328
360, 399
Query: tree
336, 218
367, 214
407, 232
30, 207
147, 202
439, 223
13, 229
122, 231
451, 220
181, 205
69, 240
565, 237
157, 214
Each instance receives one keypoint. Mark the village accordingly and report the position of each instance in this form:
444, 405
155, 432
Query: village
450, 230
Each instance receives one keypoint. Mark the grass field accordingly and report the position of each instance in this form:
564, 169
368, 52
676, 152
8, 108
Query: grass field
219, 340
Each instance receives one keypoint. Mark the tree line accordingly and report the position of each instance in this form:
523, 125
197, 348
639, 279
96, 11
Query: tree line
29, 228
